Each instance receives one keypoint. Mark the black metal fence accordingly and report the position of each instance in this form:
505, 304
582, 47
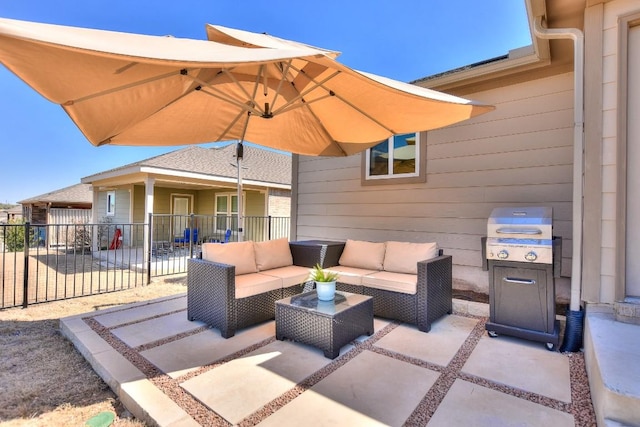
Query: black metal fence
41, 263
175, 238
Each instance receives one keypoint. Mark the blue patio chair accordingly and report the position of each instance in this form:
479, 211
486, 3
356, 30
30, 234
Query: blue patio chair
227, 236
187, 233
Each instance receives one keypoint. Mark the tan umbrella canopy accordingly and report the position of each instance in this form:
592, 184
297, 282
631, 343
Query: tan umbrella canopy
132, 89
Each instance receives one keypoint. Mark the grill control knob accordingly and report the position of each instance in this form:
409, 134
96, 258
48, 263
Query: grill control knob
531, 256
503, 254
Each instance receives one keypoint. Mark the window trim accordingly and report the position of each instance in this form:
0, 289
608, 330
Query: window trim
421, 165
111, 195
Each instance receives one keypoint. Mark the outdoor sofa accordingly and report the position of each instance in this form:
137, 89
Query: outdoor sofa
235, 285
409, 282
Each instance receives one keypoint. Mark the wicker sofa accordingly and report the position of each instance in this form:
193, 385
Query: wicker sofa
410, 282
235, 285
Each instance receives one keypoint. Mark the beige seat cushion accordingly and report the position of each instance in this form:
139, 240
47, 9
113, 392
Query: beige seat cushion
273, 254
291, 275
403, 257
240, 254
395, 282
251, 284
350, 275
362, 254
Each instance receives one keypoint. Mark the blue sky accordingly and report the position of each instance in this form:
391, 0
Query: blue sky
42, 150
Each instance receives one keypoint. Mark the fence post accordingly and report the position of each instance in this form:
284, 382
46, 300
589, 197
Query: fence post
269, 227
25, 280
191, 235
150, 248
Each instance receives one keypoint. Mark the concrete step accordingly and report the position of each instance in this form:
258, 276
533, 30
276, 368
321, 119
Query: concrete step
628, 311
612, 356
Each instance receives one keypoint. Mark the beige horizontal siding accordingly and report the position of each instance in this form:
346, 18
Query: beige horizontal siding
520, 154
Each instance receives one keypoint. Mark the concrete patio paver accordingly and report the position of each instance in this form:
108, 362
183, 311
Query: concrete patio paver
439, 346
468, 404
528, 366
242, 386
386, 396
179, 357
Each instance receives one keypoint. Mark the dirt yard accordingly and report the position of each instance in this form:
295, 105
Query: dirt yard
44, 381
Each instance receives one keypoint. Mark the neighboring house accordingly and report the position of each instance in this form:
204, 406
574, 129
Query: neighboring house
14, 213
195, 180
63, 206
520, 154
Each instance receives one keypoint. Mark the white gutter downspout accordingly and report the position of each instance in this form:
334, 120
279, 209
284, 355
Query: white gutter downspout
578, 146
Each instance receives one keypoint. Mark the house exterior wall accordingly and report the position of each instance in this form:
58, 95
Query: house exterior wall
520, 154
122, 208
279, 203
614, 119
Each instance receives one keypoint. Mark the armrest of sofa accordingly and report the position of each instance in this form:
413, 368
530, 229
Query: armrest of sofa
308, 253
434, 290
211, 294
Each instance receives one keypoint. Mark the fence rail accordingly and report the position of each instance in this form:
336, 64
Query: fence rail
41, 263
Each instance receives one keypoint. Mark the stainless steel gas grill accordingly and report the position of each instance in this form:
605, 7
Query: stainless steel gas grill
521, 254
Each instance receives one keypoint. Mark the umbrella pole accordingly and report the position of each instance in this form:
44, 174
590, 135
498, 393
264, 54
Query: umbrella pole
239, 155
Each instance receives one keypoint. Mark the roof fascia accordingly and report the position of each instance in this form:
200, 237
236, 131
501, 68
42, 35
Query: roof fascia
536, 55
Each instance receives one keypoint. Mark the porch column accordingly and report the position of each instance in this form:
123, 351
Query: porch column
94, 221
149, 183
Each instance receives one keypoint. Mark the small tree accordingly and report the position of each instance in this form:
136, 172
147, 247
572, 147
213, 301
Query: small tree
13, 235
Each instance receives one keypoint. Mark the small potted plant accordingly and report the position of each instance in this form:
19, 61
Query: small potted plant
325, 282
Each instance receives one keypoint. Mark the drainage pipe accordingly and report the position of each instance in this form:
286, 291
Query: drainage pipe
578, 146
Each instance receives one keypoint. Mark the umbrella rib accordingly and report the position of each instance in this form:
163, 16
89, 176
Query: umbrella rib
302, 94
127, 86
249, 97
321, 84
232, 124
283, 74
217, 93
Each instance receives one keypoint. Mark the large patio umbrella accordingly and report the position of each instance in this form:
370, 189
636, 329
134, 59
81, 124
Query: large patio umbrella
133, 89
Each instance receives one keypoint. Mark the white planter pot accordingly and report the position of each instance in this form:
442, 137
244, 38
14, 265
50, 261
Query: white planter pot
326, 290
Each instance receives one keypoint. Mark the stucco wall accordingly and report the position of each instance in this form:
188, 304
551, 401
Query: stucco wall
518, 155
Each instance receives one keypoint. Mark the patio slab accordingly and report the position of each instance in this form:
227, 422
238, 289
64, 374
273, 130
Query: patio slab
180, 373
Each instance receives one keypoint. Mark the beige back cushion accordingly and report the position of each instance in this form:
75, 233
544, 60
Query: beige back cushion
361, 254
273, 254
403, 257
240, 254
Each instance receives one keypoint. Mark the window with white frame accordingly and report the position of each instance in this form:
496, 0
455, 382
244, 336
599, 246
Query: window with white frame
399, 157
111, 203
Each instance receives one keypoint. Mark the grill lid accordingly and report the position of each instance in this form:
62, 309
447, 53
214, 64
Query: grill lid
520, 234
521, 223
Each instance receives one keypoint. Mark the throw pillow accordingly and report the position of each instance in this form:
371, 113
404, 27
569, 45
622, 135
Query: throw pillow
240, 254
362, 254
403, 257
273, 254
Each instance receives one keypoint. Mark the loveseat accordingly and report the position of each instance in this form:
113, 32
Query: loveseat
235, 285
410, 282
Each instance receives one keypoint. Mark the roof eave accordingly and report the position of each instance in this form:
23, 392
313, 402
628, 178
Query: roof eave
535, 55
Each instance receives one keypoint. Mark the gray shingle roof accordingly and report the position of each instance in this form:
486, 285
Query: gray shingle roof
78, 193
257, 164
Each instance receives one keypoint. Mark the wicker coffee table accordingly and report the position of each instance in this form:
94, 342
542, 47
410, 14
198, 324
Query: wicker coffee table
327, 325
